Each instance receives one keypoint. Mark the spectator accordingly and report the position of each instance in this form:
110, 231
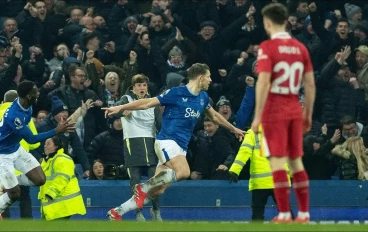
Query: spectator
352, 159
361, 58
211, 43
108, 146
41, 116
97, 171
332, 42
73, 95
34, 69
61, 52
354, 14
309, 38
317, 159
352, 128
59, 112
342, 95
11, 77
361, 32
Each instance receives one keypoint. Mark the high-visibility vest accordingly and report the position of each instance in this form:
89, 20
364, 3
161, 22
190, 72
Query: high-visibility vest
62, 186
260, 170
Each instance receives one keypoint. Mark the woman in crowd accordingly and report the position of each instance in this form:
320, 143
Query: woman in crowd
60, 196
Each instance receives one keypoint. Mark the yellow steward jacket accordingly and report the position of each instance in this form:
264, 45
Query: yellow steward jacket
31, 126
62, 186
260, 170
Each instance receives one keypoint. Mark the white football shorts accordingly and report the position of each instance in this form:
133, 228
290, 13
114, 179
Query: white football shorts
21, 160
167, 149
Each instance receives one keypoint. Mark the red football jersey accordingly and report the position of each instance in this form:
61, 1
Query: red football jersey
287, 60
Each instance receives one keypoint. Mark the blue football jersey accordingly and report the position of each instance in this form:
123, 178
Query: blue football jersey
182, 110
14, 128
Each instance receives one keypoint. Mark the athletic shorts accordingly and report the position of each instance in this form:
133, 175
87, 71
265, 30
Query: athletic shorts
166, 150
21, 160
283, 138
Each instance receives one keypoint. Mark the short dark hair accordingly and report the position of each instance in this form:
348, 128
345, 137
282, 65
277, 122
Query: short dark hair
139, 78
10, 96
88, 36
24, 88
196, 70
276, 12
73, 68
343, 20
57, 142
347, 120
142, 34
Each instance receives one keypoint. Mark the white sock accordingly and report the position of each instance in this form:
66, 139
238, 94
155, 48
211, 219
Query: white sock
5, 202
165, 177
284, 215
129, 205
303, 215
23, 180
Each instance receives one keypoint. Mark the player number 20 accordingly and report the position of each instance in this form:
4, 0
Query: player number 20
290, 74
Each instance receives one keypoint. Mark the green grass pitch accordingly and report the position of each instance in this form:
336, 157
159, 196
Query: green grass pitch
38, 225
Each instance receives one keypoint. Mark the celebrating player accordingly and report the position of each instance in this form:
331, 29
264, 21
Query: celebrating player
183, 106
283, 64
14, 128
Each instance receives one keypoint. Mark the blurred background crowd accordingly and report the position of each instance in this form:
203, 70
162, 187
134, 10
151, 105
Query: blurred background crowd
88, 54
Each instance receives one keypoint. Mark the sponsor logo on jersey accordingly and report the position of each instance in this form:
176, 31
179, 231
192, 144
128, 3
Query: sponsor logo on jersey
189, 112
261, 56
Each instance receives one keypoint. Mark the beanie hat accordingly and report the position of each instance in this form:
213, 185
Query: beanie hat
175, 51
110, 121
223, 101
57, 106
351, 10
209, 24
130, 18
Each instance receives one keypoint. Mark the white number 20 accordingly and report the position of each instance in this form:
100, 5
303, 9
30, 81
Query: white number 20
290, 72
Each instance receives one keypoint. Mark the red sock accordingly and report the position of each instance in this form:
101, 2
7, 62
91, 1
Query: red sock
301, 187
281, 190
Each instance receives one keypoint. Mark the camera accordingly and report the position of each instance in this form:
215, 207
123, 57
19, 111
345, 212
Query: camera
116, 172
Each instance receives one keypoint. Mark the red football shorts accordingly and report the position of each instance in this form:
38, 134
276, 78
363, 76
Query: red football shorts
283, 138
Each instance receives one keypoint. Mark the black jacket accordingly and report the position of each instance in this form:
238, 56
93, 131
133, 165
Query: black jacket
108, 146
339, 97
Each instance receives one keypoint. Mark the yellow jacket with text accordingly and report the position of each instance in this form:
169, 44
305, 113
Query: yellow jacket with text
260, 170
28, 147
62, 186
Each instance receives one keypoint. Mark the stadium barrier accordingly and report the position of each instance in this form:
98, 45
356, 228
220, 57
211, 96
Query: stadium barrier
219, 200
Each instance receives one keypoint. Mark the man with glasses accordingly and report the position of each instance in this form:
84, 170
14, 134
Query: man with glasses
352, 128
61, 52
73, 95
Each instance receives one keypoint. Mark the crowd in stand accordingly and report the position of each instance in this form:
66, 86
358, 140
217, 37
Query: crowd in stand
88, 54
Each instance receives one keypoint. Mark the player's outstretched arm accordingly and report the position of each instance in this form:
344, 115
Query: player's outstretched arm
141, 104
29, 137
220, 120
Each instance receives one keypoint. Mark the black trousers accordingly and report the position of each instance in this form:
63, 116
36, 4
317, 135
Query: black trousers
25, 204
259, 201
136, 174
